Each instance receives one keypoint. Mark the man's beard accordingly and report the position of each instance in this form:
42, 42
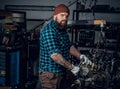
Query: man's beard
61, 24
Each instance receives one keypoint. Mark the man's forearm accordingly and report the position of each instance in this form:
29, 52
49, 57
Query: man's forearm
58, 58
74, 51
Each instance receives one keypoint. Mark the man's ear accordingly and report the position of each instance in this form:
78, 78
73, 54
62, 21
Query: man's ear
54, 17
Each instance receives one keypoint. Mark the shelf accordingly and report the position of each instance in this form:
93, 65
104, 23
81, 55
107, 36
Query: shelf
12, 23
76, 13
95, 11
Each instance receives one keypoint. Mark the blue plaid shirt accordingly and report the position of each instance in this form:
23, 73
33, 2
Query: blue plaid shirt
53, 40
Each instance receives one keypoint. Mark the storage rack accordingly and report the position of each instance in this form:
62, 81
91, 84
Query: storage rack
88, 26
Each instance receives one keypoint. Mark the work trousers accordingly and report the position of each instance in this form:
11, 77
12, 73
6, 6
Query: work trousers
50, 80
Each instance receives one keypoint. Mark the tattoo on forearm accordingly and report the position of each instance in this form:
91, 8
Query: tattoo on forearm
64, 63
60, 60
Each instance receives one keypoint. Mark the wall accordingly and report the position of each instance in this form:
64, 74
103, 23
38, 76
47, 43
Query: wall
36, 15
45, 15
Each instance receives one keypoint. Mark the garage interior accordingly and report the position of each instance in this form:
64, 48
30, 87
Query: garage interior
93, 27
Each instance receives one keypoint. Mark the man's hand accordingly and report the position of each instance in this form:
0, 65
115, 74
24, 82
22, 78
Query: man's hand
75, 69
85, 59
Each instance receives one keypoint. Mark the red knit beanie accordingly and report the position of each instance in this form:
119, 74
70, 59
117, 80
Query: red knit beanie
61, 8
